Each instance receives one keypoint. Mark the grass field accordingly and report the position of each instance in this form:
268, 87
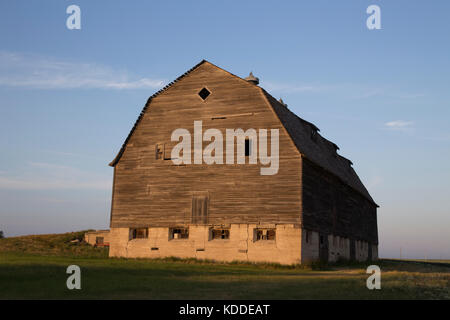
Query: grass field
34, 267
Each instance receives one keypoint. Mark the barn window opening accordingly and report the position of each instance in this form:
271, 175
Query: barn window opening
220, 234
179, 233
139, 233
204, 93
167, 152
99, 240
248, 149
265, 234
308, 236
159, 151
226, 116
321, 239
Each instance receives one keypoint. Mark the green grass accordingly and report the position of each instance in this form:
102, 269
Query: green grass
52, 244
30, 274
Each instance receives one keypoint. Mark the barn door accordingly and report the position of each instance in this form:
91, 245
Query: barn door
323, 247
200, 209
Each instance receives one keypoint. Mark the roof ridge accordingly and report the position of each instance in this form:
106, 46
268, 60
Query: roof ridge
293, 113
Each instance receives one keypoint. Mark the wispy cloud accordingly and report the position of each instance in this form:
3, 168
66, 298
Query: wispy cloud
49, 176
374, 181
361, 92
444, 137
20, 184
292, 88
71, 154
399, 125
354, 91
31, 71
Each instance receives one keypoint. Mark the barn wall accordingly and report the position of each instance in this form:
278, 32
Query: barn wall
241, 246
338, 248
333, 208
157, 193
362, 250
310, 247
374, 252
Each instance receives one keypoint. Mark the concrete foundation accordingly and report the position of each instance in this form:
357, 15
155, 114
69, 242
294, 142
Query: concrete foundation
291, 245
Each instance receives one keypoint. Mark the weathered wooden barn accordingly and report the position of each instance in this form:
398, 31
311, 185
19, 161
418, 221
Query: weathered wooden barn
314, 207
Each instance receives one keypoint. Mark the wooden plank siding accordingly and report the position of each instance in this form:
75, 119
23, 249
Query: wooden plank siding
332, 207
150, 192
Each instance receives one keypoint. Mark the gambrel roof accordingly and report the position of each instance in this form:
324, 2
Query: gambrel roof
319, 150
309, 143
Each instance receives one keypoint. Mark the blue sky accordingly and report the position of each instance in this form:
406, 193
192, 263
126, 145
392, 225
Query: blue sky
68, 98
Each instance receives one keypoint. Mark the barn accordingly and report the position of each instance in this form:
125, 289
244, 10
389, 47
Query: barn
312, 207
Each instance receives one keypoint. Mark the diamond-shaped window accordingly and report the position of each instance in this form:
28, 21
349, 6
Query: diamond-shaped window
204, 93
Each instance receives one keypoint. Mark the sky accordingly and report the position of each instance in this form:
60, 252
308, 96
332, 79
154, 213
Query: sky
68, 98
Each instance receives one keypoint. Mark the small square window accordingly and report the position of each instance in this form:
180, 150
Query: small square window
179, 233
220, 234
204, 93
265, 234
138, 233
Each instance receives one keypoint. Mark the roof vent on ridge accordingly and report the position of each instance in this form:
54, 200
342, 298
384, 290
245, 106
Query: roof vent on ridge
252, 79
282, 102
